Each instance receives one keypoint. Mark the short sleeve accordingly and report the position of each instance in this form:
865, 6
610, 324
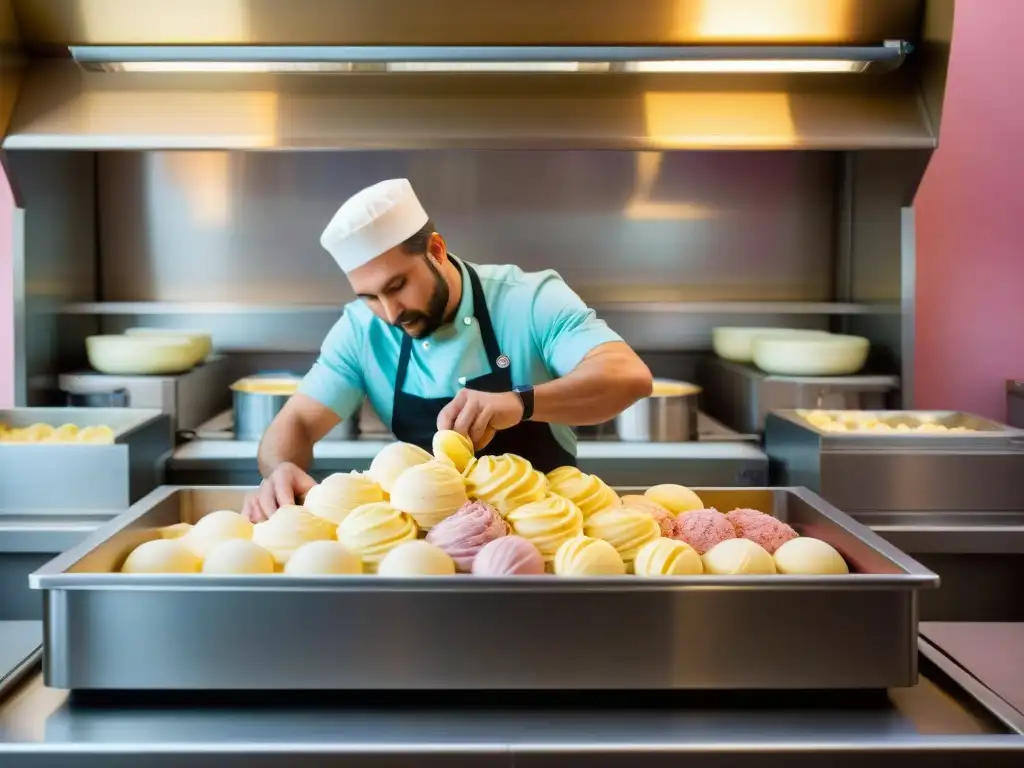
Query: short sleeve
564, 328
336, 378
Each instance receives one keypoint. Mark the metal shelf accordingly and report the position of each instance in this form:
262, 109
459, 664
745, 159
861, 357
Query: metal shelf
673, 307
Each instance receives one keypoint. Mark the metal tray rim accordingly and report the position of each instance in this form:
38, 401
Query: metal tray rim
1000, 431
143, 417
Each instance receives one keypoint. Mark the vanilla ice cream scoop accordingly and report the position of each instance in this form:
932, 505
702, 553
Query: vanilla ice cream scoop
393, 460
505, 482
675, 498
288, 529
588, 492
162, 556
733, 557
547, 523
340, 493
323, 558
809, 556
667, 557
238, 556
455, 447
372, 530
625, 529
215, 527
585, 556
416, 558
429, 492
175, 531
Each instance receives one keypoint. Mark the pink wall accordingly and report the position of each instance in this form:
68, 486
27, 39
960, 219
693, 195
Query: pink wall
6, 297
970, 221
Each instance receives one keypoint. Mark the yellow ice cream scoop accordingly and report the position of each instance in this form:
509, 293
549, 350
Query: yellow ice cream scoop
588, 492
454, 447
667, 557
161, 556
734, 557
288, 529
806, 555
547, 523
214, 528
505, 482
429, 492
625, 529
585, 556
675, 498
340, 493
393, 460
372, 530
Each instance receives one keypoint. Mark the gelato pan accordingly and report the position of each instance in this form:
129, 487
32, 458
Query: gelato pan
288, 529
465, 533
340, 493
588, 492
509, 556
763, 529
372, 530
809, 556
735, 557
162, 556
393, 460
429, 492
702, 529
505, 482
547, 523
586, 556
667, 557
416, 558
624, 528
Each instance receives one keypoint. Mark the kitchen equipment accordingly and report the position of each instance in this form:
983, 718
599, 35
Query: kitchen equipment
257, 399
741, 396
669, 415
189, 398
49, 476
1015, 403
201, 340
736, 344
113, 398
832, 355
114, 631
140, 355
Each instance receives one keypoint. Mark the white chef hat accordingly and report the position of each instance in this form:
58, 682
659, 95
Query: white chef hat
372, 221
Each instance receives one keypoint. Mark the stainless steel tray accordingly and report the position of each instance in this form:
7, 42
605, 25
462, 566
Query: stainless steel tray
107, 630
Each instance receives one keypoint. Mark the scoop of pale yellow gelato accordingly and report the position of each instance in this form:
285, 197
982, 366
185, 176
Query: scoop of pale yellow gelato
323, 558
372, 530
288, 529
215, 527
340, 493
805, 555
667, 557
585, 556
505, 482
175, 531
237, 556
455, 447
588, 492
429, 492
625, 529
416, 558
162, 556
734, 557
675, 498
393, 460
547, 523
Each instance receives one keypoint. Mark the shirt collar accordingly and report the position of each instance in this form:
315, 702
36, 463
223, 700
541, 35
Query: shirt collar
463, 312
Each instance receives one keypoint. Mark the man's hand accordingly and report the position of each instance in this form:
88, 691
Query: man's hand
283, 486
478, 415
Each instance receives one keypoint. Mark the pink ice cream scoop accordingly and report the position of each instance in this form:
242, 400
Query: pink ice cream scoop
463, 534
760, 528
702, 529
509, 556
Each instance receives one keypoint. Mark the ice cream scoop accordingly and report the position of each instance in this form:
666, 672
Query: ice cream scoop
509, 556
586, 556
809, 556
702, 529
665, 519
340, 493
547, 523
429, 492
505, 482
162, 556
288, 529
763, 529
416, 558
465, 533
215, 527
323, 558
624, 528
393, 460
675, 498
175, 531
453, 446
372, 530
238, 556
588, 492
667, 557
734, 557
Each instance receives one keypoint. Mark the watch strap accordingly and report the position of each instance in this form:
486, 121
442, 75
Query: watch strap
526, 398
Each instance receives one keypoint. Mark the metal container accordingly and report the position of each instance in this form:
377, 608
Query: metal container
113, 398
664, 417
53, 476
106, 630
1015, 403
256, 400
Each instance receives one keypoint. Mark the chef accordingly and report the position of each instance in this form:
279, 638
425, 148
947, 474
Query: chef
511, 359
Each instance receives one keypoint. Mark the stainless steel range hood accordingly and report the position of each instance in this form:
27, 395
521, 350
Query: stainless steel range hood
416, 74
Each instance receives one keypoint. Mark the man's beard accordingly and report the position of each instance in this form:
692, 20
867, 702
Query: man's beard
426, 322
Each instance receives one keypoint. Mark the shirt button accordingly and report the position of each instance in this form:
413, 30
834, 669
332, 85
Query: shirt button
468, 321
426, 345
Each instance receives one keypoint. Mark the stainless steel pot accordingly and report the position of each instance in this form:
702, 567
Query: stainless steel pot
256, 400
667, 416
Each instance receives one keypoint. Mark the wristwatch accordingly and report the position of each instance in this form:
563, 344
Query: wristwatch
526, 398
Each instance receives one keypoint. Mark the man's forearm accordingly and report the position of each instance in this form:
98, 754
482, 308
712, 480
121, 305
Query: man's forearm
285, 441
596, 391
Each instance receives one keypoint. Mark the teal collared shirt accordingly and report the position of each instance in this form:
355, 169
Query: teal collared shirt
542, 326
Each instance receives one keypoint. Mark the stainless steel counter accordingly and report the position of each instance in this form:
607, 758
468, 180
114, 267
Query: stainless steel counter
949, 718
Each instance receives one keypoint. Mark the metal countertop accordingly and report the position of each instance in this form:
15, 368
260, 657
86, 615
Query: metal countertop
938, 722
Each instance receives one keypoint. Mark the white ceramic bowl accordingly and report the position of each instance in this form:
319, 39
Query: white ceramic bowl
832, 355
736, 344
140, 355
203, 340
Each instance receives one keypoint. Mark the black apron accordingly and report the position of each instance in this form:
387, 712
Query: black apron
414, 419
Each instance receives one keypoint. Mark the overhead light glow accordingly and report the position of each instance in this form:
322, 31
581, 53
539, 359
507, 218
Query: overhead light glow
747, 65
